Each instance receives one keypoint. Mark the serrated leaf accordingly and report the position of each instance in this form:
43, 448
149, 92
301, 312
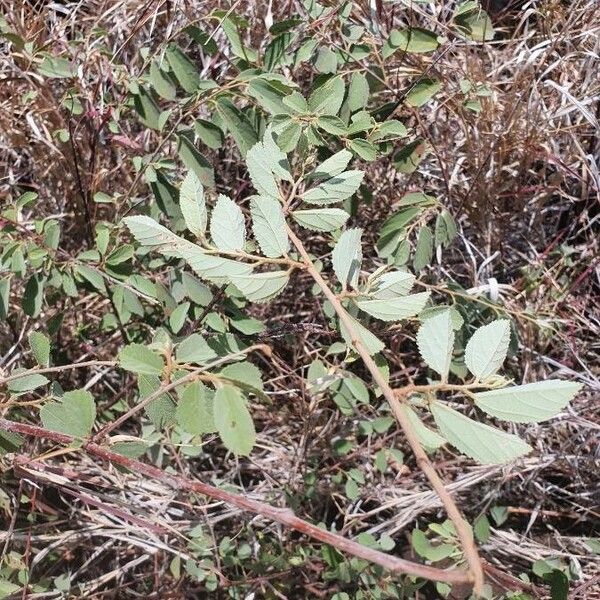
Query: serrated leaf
412, 39
215, 269
160, 410
74, 414
358, 92
244, 375
337, 188
40, 348
333, 166
183, 68
239, 125
192, 204
435, 340
529, 403
150, 233
423, 91
233, 421
328, 97
26, 383
209, 133
369, 340
147, 108
259, 165
139, 359
430, 440
194, 349
364, 149
268, 226
227, 227
395, 309
347, 257
195, 161
423, 249
321, 219
178, 316
391, 285
161, 82
260, 287
486, 350
194, 412
480, 442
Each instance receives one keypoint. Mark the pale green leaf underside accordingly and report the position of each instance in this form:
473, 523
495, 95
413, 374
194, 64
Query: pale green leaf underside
213, 268
139, 359
529, 403
194, 412
347, 257
227, 227
192, 204
430, 440
480, 442
233, 421
333, 166
321, 219
336, 189
392, 284
395, 309
259, 287
487, 349
268, 225
74, 414
435, 340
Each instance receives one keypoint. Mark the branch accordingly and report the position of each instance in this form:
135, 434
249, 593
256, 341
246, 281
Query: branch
462, 528
280, 515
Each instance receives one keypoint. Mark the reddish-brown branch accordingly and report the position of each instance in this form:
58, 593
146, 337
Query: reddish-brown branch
462, 528
280, 515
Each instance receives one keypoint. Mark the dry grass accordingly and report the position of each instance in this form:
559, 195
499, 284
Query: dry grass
521, 178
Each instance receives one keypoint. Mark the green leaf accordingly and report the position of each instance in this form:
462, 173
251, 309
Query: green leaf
178, 316
480, 442
150, 233
141, 360
209, 133
370, 341
161, 410
347, 257
391, 285
424, 548
358, 92
529, 403
214, 268
395, 309
194, 412
161, 82
192, 204
332, 124
74, 414
195, 161
412, 39
364, 149
260, 287
487, 349
33, 296
326, 60
239, 126
333, 166
337, 188
244, 375
328, 97
56, 67
408, 158
194, 349
321, 219
435, 340
120, 255
266, 164
4, 296
233, 421
147, 108
430, 440
26, 383
423, 249
40, 347
227, 227
422, 92
268, 225
475, 24
183, 68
